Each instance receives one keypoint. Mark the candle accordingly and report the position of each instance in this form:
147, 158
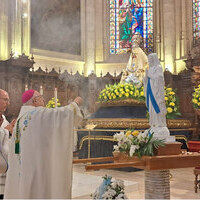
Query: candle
41, 90
55, 96
26, 87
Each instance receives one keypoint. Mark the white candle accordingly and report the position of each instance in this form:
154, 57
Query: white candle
26, 87
41, 90
55, 96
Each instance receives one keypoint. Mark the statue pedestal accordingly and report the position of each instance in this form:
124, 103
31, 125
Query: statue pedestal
157, 185
169, 149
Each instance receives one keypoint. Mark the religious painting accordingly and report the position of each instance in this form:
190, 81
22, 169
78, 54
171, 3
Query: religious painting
196, 22
56, 26
129, 18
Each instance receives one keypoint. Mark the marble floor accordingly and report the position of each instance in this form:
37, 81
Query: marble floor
85, 182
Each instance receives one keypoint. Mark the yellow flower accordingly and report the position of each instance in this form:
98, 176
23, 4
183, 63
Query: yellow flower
166, 98
131, 92
172, 104
114, 97
198, 104
117, 93
120, 95
135, 133
194, 101
169, 110
169, 89
105, 97
127, 90
172, 93
127, 94
128, 133
137, 92
142, 93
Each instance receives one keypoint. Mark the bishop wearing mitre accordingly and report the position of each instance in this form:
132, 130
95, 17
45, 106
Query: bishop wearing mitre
41, 151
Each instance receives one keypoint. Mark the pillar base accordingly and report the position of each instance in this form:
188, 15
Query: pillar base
157, 185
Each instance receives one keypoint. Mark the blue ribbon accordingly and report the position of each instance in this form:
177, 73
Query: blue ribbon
151, 96
103, 187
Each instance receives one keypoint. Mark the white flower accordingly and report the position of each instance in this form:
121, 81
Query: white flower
120, 183
141, 136
109, 194
119, 136
132, 149
121, 196
116, 147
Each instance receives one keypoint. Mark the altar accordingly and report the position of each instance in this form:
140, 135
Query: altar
115, 117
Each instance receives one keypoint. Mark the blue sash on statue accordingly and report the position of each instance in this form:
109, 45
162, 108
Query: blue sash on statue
150, 96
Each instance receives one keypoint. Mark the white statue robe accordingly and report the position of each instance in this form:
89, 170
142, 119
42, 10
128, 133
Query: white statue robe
157, 85
43, 168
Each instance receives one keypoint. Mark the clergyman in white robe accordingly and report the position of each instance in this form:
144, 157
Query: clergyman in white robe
43, 166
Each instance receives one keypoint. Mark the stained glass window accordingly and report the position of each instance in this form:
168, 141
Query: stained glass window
129, 18
196, 20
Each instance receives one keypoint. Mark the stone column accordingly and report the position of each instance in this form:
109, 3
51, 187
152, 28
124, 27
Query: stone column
161, 21
157, 27
99, 30
26, 15
183, 28
188, 26
4, 30
157, 185
21, 27
177, 34
169, 33
90, 38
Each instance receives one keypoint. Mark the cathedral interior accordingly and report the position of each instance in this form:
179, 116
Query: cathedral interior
80, 46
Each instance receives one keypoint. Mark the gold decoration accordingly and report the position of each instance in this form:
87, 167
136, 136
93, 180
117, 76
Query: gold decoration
120, 102
135, 123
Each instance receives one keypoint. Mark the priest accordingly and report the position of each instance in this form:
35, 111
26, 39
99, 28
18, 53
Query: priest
41, 151
6, 128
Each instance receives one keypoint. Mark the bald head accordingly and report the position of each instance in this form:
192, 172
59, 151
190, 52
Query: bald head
4, 101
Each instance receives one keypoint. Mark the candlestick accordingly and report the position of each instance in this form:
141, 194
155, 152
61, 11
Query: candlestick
26, 87
41, 90
55, 96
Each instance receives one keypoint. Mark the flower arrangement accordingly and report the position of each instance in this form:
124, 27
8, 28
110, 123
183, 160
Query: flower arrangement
121, 91
172, 103
196, 98
135, 143
110, 189
51, 103
127, 90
